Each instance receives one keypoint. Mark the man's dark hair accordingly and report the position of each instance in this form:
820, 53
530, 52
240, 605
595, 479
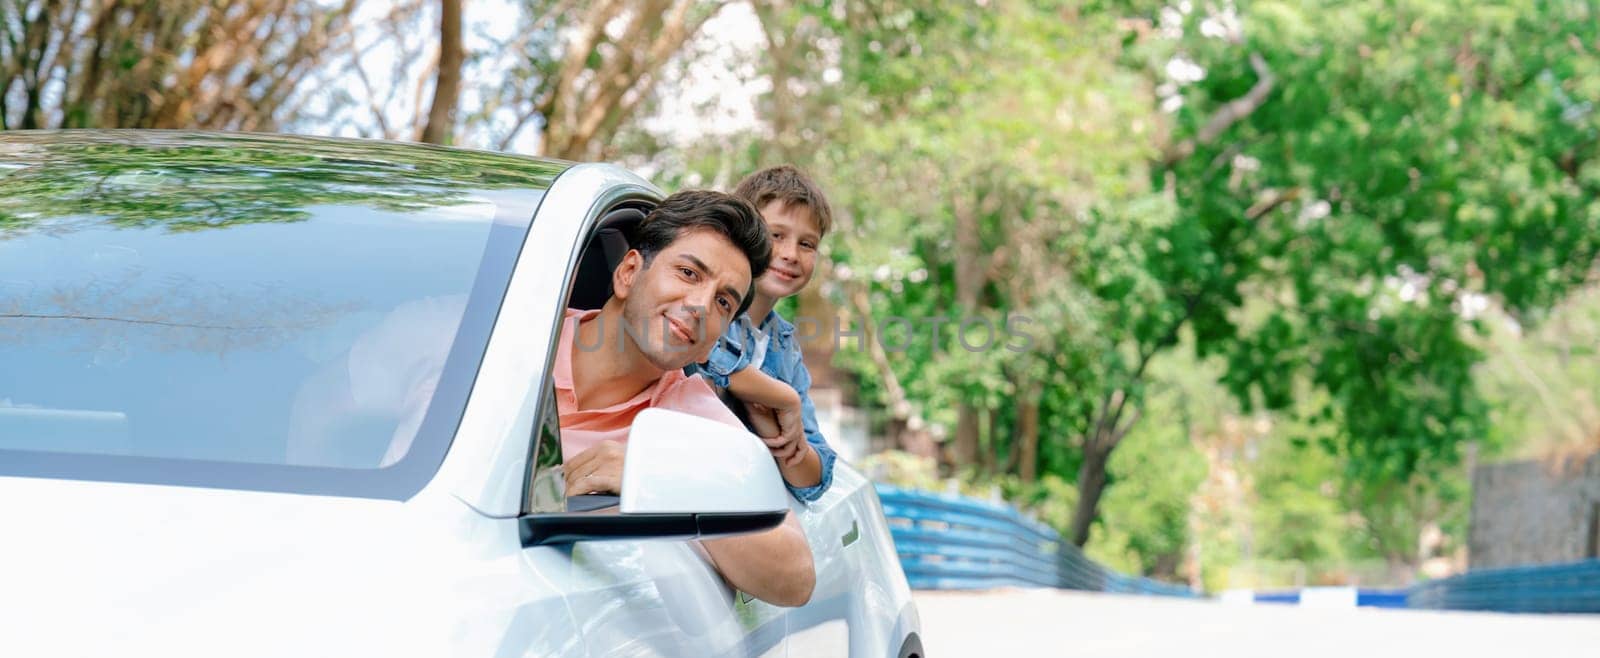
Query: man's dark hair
789, 185
693, 210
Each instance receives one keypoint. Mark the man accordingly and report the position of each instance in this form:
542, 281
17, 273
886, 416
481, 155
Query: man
690, 271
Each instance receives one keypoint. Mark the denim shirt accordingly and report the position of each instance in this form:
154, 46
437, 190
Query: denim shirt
780, 360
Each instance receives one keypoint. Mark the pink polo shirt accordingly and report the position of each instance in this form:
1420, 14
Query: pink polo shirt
581, 429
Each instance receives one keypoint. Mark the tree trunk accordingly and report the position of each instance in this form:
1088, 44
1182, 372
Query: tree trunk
1104, 435
969, 285
990, 440
965, 450
447, 88
34, 64
914, 442
582, 112
781, 53
1028, 432
1091, 484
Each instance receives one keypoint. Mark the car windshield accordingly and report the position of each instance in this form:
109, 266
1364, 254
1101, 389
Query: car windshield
217, 330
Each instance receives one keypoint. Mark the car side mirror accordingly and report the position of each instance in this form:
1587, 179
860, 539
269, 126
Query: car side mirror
683, 476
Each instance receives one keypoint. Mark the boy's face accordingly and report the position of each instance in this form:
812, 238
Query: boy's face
794, 249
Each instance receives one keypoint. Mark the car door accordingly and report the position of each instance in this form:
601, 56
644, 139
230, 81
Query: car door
821, 627
655, 598
862, 605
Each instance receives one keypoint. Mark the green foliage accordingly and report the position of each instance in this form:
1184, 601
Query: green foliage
1424, 151
1542, 385
1405, 156
1309, 256
1298, 514
1149, 511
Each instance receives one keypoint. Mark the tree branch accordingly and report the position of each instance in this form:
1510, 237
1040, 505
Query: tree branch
1270, 202
1230, 113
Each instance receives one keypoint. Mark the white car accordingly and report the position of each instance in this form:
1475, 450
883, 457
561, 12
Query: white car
281, 396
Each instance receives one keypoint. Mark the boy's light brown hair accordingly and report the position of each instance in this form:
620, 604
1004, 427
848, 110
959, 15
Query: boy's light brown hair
786, 183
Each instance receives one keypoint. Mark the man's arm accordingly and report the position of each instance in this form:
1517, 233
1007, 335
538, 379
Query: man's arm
774, 566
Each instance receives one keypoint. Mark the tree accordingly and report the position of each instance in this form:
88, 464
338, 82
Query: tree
447, 87
581, 71
1357, 180
1365, 203
975, 135
182, 64
1405, 157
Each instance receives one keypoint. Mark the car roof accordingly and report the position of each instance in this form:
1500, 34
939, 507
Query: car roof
336, 161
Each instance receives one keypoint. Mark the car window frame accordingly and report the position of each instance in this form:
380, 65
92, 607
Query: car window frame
544, 485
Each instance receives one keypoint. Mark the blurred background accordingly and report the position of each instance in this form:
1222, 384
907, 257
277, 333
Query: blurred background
1309, 289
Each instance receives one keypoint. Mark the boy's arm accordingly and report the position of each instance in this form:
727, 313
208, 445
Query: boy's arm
802, 471
824, 455
752, 385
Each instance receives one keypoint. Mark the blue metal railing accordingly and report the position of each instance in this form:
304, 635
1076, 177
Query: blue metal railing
955, 542
1571, 587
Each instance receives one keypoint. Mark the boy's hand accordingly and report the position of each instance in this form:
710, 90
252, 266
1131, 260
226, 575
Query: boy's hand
792, 448
783, 432
762, 420
781, 429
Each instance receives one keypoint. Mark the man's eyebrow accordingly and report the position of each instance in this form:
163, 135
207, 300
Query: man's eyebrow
738, 297
699, 264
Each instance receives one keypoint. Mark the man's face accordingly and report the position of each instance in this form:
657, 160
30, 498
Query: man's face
794, 249
677, 306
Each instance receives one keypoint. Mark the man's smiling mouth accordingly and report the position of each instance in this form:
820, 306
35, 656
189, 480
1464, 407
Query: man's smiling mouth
680, 330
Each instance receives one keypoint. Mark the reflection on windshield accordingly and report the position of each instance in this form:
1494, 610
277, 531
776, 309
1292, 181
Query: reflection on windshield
386, 379
195, 182
319, 343
113, 315
241, 302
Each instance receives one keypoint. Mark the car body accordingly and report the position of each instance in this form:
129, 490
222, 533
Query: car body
285, 396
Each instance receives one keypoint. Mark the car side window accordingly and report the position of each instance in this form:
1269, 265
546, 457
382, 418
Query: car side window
545, 487
590, 286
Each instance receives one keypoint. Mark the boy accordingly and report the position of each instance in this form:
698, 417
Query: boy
777, 391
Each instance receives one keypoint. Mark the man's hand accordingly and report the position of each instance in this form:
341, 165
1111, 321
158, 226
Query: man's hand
597, 470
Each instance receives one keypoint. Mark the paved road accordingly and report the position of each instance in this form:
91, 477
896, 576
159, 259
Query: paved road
1060, 623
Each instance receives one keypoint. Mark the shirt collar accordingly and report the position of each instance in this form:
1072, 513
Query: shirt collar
775, 324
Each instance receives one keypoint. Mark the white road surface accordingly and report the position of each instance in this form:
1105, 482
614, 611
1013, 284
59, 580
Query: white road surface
1020, 622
